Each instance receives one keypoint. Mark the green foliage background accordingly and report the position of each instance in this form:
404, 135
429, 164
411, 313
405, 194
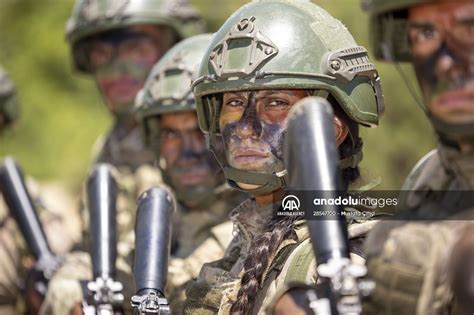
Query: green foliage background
62, 114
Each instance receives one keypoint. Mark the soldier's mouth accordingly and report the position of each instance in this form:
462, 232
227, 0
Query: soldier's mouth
247, 156
457, 101
192, 176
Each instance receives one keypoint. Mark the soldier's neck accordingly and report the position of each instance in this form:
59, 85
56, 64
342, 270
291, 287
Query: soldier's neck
268, 199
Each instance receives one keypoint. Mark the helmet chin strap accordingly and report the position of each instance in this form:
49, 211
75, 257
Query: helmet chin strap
451, 132
267, 182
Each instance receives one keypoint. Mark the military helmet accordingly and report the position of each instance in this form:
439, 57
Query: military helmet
8, 102
168, 87
90, 17
389, 28
278, 44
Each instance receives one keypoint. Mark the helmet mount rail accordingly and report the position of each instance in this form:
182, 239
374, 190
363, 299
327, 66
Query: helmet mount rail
262, 49
176, 65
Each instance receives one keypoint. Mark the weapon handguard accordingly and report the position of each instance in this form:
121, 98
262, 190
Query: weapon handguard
104, 294
152, 249
23, 210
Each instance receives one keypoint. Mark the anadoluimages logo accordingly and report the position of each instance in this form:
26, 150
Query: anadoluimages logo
291, 203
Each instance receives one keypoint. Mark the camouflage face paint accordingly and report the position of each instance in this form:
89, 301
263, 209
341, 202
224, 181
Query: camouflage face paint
253, 127
119, 82
442, 44
188, 166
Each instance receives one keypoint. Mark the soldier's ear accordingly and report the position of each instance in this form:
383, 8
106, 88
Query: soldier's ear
341, 130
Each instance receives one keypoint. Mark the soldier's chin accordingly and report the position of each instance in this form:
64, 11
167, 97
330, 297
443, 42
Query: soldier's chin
248, 186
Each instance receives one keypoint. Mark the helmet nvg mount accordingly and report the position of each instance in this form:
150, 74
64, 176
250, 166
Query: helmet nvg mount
277, 44
168, 87
8, 102
91, 17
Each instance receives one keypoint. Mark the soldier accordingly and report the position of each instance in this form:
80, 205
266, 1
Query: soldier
15, 262
416, 265
167, 111
118, 42
266, 57
10, 258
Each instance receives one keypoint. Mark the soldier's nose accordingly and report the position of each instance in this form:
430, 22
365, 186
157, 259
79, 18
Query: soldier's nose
444, 66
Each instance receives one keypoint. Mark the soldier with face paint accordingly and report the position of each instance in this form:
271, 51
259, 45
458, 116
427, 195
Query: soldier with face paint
267, 56
60, 227
117, 43
166, 110
10, 258
427, 267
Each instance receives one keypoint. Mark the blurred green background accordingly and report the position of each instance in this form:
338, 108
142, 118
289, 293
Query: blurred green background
62, 114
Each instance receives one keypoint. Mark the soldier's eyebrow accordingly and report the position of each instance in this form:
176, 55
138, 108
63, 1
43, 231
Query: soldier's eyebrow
240, 94
469, 20
421, 25
272, 92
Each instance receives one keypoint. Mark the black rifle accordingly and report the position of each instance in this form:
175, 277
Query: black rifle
23, 211
104, 294
312, 161
152, 249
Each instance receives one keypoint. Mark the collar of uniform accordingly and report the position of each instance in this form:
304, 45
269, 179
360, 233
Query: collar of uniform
250, 219
459, 164
125, 147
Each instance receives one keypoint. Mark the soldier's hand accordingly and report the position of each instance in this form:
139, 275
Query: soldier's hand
35, 290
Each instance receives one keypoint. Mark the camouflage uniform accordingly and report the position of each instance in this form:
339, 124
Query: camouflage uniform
409, 260
123, 148
219, 281
51, 201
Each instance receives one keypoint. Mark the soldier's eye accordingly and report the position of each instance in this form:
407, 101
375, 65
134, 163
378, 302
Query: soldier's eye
234, 103
420, 35
169, 134
277, 103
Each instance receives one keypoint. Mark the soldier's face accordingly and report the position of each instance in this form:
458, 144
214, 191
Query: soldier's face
253, 125
442, 45
183, 152
121, 61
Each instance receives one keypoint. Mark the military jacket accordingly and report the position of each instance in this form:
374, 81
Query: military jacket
123, 148
219, 281
408, 259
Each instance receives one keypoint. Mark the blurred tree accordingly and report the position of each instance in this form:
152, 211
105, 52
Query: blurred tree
62, 114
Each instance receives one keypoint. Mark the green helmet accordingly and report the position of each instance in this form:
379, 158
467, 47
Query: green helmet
8, 102
90, 17
278, 44
389, 28
168, 87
